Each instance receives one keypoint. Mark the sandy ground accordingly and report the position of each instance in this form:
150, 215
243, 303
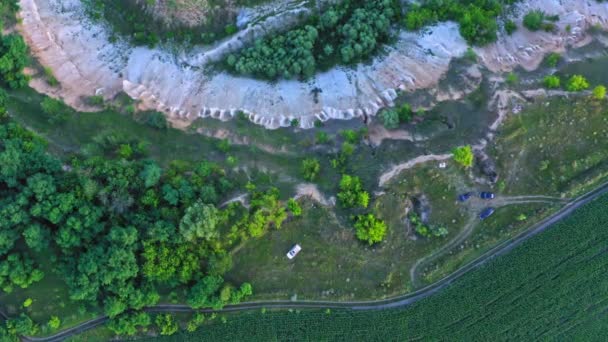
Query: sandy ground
311, 191
85, 62
395, 170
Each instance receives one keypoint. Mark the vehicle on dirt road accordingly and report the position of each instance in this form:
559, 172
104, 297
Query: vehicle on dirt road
487, 212
464, 197
486, 195
294, 251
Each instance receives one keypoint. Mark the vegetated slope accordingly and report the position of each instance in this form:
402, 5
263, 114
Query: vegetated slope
551, 287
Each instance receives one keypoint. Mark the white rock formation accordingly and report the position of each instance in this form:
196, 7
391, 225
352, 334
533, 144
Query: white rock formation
85, 62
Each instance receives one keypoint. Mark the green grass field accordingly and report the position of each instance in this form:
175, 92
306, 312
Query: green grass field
552, 287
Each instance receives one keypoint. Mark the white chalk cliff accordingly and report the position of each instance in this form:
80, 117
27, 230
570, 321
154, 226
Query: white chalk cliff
86, 62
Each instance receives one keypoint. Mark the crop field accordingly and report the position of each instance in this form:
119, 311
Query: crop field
552, 287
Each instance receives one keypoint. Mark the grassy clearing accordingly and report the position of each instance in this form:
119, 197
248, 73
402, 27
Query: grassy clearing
341, 266
552, 287
555, 147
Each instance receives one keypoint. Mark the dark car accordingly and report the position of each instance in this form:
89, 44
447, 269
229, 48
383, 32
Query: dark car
486, 195
486, 213
464, 197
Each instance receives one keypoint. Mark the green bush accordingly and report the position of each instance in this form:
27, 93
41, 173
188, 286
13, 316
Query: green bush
552, 59
463, 155
370, 229
599, 92
310, 169
351, 192
510, 27
551, 82
533, 20
577, 83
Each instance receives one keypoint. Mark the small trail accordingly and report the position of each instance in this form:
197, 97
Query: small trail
395, 170
312, 191
242, 198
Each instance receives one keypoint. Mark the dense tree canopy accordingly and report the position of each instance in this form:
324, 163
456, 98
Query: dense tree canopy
123, 229
13, 58
346, 32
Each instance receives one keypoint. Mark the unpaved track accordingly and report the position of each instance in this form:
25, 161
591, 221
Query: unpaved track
397, 301
395, 170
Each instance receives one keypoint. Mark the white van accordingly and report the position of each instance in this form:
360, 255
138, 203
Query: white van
294, 251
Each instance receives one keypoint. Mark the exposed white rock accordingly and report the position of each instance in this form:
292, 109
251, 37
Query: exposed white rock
84, 61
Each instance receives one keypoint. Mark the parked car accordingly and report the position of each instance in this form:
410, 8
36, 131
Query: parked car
486, 213
464, 197
294, 251
486, 195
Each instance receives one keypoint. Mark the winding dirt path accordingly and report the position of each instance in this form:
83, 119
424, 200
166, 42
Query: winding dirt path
474, 207
395, 170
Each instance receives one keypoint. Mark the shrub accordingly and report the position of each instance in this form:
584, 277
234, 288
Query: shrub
54, 323
55, 109
599, 92
322, 137
533, 20
577, 83
552, 59
512, 79
95, 100
294, 207
50, 77
463, 155
551, 82
155, 119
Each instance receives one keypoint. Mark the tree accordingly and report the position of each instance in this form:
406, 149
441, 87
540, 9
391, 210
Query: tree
390, 119
599, 92
36, 237
114, 306
13, 59
129, 323
551, 82
200, 221
463, 155
151, 174
18, 270
22, 325
310, 169
3, 102
166, 324
577, 83
197, 320
370, 229
351, 192
204, 293
533, 20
